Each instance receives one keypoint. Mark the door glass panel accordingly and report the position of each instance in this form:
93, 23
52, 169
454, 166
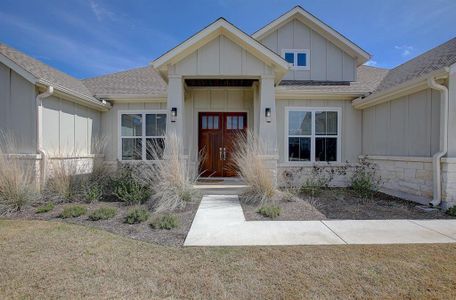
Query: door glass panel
216, 122
210, 122
241, 122
204, 122
229, 124
235, 123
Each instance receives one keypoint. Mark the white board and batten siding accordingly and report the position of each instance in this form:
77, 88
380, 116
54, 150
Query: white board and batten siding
221, 56
350, 131
407, 126
327, 61
69, 129
18, 109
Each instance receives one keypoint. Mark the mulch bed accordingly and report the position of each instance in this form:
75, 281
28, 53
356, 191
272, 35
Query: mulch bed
344, 204
142, 231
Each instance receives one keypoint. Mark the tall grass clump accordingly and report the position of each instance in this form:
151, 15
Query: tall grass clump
252, 169
169, 174
17, 181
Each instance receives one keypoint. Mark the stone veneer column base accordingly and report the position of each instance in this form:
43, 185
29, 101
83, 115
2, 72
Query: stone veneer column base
448, 182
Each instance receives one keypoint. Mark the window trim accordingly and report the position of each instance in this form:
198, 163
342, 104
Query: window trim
313, 136
143, 137
295, 52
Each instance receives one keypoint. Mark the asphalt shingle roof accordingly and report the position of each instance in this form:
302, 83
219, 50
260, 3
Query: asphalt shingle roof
432, 60
45, 72
139, 81
368, 80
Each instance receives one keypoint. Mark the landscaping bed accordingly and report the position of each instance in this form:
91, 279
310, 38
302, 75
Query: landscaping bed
141, 231
341, 203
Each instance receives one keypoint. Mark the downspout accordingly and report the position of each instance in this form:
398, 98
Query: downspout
436, 159
39, 133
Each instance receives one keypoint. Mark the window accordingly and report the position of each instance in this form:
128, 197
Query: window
313, 134
298, 59
141, 134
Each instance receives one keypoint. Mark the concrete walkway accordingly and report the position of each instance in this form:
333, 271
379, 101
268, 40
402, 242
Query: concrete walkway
220, 221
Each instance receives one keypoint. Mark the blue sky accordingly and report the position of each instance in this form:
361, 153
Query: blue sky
86, 38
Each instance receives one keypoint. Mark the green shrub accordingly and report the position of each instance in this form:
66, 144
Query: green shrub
452, 211
127, 188
93, 192
73, 211
47, 207
269, 211
103, 213
136, 215
167, 221
365, 181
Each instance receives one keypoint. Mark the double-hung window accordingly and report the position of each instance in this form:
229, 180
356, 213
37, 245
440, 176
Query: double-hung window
141, 135
297, 58
313, 134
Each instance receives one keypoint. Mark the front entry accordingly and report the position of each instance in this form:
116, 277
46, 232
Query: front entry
217, 135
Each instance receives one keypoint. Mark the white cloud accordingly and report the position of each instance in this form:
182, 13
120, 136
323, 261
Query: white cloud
101, 12
405, 50
371, 63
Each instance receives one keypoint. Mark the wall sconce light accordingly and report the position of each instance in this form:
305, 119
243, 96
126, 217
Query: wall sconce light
267, 114
173, 114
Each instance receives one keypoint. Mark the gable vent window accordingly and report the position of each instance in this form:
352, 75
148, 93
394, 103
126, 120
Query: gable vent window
299, 59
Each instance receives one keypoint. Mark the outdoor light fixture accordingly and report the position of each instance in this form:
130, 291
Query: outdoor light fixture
267, 114
173, 114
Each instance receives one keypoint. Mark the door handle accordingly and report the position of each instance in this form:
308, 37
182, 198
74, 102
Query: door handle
220, 153
224, 153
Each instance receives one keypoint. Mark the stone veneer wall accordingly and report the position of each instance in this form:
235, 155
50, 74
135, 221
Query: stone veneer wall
405, 177
449, 182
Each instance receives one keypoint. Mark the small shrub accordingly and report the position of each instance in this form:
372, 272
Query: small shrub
47, 207
269, 211
289, 196
128, 189
136, 215
167, 221
73, 211
92, 192
103, 213
365, 181
452, 211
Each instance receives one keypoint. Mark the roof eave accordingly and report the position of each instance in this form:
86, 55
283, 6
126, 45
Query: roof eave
400, 90
74, 96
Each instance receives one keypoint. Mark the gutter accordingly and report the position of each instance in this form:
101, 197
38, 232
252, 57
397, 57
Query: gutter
39, 133
436, 159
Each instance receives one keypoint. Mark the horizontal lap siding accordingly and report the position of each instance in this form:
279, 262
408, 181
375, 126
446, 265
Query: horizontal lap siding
407, 126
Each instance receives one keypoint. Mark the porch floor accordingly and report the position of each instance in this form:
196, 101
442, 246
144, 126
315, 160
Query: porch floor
220, 221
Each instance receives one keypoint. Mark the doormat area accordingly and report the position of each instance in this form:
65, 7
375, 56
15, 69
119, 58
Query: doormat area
209, 180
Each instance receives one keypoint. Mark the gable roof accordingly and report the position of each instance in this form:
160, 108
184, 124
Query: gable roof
414, 72
40, 73
435, 59
140, 82
368, 80
319, 26
218, 27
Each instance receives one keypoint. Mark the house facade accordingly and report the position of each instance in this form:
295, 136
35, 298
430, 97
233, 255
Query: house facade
298, 84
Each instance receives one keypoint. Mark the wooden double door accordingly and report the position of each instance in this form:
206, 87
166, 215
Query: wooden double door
216, 141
